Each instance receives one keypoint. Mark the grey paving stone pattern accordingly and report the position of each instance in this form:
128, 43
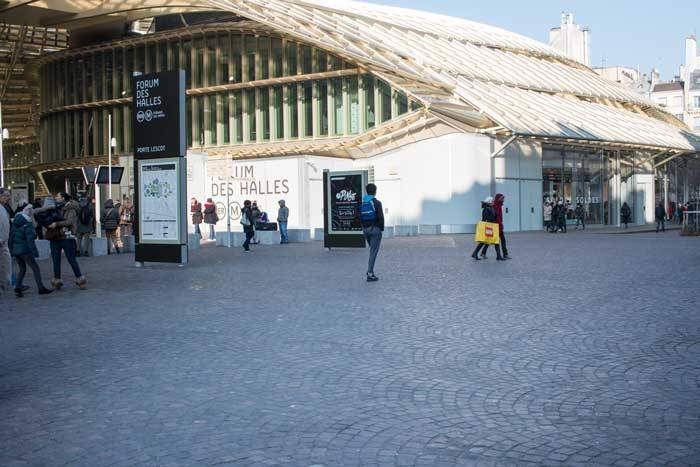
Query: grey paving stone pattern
582, 350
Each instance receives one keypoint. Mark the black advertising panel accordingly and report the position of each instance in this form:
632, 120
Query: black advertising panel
345, 200
103, 175
158, 114
342, 200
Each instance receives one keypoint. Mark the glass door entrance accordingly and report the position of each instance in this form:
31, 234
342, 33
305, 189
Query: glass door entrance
575, 178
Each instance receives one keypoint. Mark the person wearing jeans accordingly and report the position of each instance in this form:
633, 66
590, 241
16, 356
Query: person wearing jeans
372, 216
498, 207
282, 218
62, 238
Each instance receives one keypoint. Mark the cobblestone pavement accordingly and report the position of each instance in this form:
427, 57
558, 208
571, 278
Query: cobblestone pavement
583, 350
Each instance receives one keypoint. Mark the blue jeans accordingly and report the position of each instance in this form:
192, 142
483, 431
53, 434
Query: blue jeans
68, 247
373, 235
283, 232
212, 232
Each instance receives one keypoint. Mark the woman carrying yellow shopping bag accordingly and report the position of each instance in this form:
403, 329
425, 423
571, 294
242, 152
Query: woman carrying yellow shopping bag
487, 231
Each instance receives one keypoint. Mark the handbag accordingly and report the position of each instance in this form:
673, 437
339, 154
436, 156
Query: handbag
54, 234
487, 232
244, 220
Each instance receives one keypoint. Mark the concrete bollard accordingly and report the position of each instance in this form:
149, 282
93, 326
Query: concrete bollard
44, 247
451, 229
128, 244
97, 246
405, 230
193, 242
299, 235
429, 229
318, 234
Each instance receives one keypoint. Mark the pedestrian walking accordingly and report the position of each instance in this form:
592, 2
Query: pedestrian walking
5, 225
211, 217
580, 216
61, 235
372, 217
498, 207
282, 219
23, 248
547, 216
256, 213
197, 216
126, 218
86, 223
247, 221
625, 214
488, 214
110, 224
561, 217
660, 217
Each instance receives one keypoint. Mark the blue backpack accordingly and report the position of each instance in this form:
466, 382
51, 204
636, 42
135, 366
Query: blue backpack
367, 211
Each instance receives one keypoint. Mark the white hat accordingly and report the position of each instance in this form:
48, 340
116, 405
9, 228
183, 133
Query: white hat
489, 200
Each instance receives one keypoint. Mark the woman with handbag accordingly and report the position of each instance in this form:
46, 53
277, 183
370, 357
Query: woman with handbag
110, 223
61, 236
488, 214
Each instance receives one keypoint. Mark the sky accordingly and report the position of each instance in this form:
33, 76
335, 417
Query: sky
640, 33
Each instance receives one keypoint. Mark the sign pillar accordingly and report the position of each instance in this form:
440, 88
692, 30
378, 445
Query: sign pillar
343, 191
160, 170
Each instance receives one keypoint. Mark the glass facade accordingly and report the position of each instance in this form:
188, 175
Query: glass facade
275, 90
599, 180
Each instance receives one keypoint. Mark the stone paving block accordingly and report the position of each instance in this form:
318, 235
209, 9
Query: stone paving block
287, 356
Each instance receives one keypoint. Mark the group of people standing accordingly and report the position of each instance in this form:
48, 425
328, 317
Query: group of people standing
252, 218
555, 216
57, 220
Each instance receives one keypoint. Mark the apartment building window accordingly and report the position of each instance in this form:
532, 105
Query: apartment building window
696, 102
696, 123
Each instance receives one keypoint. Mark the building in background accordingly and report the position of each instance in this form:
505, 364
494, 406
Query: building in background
571, 39
681, 96
631, 78
441, 111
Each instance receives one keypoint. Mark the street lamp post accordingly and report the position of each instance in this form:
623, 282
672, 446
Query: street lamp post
4, 134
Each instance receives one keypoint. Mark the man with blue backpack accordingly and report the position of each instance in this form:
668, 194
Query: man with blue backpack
372, 217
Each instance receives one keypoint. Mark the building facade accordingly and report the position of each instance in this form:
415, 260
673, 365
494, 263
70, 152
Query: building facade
571, 39
441, 111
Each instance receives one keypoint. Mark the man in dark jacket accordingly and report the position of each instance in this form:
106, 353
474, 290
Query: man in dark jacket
488, 214
372, 216
660, 218
248, 223
498, 207
110, 223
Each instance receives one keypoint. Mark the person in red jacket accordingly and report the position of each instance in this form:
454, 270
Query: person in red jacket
498, 207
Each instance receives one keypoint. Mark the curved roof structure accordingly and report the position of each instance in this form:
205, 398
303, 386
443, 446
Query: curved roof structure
492, 79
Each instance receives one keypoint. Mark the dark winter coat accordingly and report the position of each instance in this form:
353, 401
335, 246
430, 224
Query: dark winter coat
196, 210
488, 214
626, 213
660, 213
249, 213
210, 216
498, 208
22, 237
110, 216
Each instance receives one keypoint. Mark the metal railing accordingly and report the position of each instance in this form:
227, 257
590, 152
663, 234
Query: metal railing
691, 223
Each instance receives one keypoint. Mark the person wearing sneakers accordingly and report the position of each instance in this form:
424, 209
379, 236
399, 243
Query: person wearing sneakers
61, 236
23, 249
372, 217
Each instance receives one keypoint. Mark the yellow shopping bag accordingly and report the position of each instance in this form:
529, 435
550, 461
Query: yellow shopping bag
487, 232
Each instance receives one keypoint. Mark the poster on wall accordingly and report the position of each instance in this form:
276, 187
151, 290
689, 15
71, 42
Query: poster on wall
159, 200
342, 200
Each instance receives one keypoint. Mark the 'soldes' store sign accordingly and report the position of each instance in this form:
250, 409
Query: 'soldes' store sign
159, 114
